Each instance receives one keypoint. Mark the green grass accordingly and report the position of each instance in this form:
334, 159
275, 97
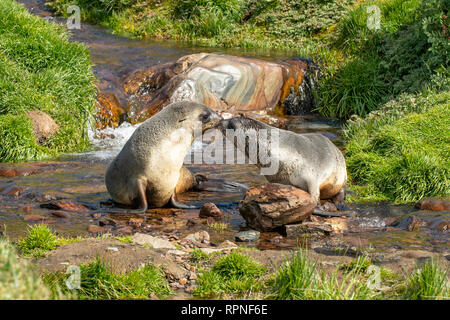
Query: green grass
400, 152
41, 70
235, 274
99, 282
18, 280
38, 241
429, 282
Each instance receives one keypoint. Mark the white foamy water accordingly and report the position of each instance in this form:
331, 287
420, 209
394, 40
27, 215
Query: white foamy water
109, 141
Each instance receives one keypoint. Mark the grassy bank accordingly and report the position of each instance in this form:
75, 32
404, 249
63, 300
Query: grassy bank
41, 70
235, 275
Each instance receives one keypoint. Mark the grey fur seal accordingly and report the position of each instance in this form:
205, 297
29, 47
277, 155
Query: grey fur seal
310, 161
147, 169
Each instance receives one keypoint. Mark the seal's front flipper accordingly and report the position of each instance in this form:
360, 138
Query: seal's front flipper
173, 203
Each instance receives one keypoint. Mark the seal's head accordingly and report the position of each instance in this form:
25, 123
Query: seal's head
192, 115
239, 123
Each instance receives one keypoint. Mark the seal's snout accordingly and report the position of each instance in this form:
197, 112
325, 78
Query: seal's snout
210, 120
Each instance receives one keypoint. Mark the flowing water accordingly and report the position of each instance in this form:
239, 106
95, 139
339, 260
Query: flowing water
79, 177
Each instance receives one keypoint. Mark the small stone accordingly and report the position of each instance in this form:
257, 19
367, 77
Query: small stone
192, 276
308, 229
245, 236
227, 244
409, 223
190, 223
97, 229
210, 210
201, 236
183, 281
112, 249
15, 191
60, 214
177, 252
440, 225
123, 230
34, 218
66, 205
434, 204
96, 215
154, 242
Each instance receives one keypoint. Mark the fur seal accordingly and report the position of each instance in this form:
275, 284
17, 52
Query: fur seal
310, 161
147, 169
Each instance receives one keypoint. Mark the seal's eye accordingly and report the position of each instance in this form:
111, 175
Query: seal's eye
204, 117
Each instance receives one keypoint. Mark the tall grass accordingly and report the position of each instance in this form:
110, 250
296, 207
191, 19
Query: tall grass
301, 279
428, 282
99, 282
18, 280
41, 70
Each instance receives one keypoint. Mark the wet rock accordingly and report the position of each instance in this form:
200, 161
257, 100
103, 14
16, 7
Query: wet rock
190, 223
442, 225
227, 244
60, 214
225, 83
174, 271
123, 231
210, 210
247, 236
154, 242
66, 205
106, 222
97, 229
15, 191
201, 236
273, 205
34, 218
308, 229
16, 172
328, 206
109, 111
43, 125
434, 204
409, 223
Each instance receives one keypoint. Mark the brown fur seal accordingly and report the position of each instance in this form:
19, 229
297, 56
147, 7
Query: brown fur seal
310, 161
147, 169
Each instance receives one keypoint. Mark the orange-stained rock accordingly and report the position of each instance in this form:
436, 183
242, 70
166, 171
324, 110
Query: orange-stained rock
224, 83
66, 205
16, 172
273, 205
108, 111
434, 204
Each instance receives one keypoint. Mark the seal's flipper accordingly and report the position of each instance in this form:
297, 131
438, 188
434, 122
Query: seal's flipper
339, 199
143, 204
173, 203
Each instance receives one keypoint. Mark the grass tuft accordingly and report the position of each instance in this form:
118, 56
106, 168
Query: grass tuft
428, 282
38, 241
18, 280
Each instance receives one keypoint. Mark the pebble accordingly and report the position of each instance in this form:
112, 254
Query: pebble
250, 235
